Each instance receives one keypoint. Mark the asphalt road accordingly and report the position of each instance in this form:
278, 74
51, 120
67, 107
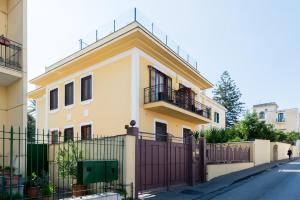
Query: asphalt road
282, 182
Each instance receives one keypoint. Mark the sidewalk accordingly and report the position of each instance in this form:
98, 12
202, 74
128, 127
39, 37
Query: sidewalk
216, 185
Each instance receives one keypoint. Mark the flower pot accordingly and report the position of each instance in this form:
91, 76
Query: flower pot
14, 180
48, 198
79, 190
32, 192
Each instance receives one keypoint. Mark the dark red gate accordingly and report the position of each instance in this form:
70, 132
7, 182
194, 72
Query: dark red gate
174, 161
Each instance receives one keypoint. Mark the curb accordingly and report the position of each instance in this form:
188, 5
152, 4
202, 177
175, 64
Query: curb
218, 191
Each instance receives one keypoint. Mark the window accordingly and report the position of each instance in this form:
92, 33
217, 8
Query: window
280, 117
54, 136
186, 134
160, 85
86, 132
68, 134
69, 94
86, 88
54, 99
216, 117
161, 131
261, 115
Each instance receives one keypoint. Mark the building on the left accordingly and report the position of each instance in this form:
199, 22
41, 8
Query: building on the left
13, 63
13, 84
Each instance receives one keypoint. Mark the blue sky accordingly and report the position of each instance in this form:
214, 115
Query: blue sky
257, 41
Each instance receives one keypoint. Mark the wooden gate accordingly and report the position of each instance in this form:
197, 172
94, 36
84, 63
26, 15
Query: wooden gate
174, 161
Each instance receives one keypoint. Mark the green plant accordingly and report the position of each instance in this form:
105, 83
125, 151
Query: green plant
48, 189
8, 169
67, 158
6, 196
35, 180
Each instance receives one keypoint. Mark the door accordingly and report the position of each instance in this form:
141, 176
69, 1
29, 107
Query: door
161, 131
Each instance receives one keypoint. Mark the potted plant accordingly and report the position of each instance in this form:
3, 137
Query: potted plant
48, 191
9, 175
67, 158
32, 188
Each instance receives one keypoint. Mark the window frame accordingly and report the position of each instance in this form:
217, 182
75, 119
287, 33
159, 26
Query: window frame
154, 126
86, 124
51, 138
68, 127
49, 105
70, 105
216, 117
87, 101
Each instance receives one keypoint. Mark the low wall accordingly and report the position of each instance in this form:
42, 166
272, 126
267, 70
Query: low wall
216, 170
261, 152
278, 151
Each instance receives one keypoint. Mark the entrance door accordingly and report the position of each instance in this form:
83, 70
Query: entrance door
161, 131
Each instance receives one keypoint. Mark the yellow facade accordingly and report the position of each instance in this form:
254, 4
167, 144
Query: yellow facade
119, 65
13, 76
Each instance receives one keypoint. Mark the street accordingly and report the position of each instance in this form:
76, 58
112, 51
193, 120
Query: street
279, 183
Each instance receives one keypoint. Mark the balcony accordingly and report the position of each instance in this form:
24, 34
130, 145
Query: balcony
10, 54
176, 103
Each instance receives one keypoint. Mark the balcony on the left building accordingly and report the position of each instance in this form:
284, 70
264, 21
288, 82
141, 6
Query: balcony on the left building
10, 54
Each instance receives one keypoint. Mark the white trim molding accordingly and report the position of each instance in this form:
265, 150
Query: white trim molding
135, 86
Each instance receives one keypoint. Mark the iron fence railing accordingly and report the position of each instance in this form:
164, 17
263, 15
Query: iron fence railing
175, 97
10, 53
136, 16
226, 153
41, 168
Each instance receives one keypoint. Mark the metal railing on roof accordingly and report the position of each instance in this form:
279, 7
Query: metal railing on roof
137, 16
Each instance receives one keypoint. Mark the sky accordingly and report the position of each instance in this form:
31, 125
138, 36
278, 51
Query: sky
257, 41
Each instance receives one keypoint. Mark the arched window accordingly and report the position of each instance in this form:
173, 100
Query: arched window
261, 115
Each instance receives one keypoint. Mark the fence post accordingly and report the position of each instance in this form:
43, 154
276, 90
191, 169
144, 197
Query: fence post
130, 159
203, 163
11, 159
191, 157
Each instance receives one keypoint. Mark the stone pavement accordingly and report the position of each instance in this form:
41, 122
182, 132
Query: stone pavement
201, 191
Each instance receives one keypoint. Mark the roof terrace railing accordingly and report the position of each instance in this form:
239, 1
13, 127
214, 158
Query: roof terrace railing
137, 16
10, 54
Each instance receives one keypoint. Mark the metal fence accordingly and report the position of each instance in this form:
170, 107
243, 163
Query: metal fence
227, 153
47, 168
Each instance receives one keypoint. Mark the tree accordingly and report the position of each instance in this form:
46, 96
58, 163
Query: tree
31, 121
228, 94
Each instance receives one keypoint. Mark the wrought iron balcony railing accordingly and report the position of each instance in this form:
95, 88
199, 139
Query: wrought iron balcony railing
175, 97
10, 54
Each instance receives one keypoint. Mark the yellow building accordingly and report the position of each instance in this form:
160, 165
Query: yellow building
128, 75
282, 119
13, 68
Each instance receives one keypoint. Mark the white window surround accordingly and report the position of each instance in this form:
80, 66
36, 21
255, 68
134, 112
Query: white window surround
57, 109
85, 124
89, 100
154, 125
74, 90
185, 127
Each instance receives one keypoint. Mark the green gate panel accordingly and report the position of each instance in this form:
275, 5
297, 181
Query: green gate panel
37, 158
91, 171
112, 170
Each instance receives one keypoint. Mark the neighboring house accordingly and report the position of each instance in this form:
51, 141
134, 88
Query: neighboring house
128, 75
283, 119
13, 64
